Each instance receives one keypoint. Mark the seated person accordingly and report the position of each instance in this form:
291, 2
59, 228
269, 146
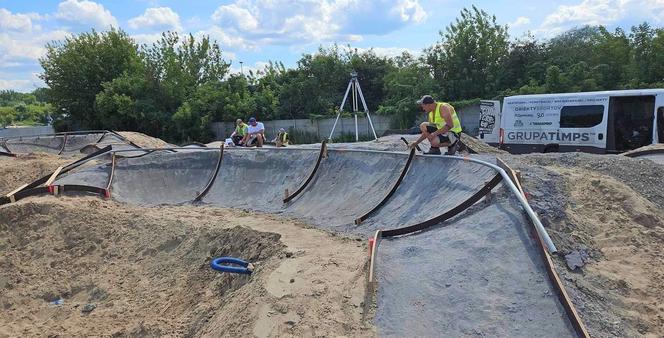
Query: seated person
282, 138
255, 134
240, 130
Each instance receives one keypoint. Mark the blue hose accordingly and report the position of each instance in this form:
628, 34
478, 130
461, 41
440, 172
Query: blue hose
244, 267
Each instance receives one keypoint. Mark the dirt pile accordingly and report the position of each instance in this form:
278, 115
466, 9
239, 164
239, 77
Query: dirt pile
605, 214
88, 267
16, 171
144, 141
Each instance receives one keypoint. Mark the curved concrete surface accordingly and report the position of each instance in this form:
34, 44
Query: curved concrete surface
346, 185
478, 275
92, 175
431, 187
163, 177
46, 144
53, 143
257, 179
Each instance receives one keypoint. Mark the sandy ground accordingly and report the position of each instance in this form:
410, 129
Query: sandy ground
16, 171
605, 214
144, 141
125, 271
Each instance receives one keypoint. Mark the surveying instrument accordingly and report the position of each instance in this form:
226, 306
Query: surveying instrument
354, 87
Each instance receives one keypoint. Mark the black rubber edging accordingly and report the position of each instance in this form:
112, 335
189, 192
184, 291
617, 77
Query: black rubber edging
64, 144
645, 152
68, 167
391, 192
323, 149
448, 214
3, 153
213, 177
24, 193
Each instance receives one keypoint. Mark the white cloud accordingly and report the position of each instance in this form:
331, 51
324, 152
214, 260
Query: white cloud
235, 15
389, 51
147, 39
23, 46
16, 22
410, 11
86, 12
158, 17
520, 21
18, 85
227, 40
601, 12
237, 68
252, 23
21, 85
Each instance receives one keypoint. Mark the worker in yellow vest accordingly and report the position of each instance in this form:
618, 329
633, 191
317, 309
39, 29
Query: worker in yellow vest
443, 128
282, 138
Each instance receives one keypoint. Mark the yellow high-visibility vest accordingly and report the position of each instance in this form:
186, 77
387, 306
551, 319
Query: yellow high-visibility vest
439, 121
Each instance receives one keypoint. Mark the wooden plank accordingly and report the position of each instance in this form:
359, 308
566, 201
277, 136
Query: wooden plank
16, 190
372, 260
110, 176
53, 176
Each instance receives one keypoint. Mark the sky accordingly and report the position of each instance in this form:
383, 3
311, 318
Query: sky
256, 31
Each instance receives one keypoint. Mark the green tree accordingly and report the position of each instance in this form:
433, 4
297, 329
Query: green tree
467, 61
403, 85
76, 68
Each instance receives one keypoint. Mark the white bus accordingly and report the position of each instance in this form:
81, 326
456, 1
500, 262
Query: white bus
596, 122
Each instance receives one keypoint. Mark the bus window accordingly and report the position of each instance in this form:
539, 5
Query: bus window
581, 116
632, 118
660, 124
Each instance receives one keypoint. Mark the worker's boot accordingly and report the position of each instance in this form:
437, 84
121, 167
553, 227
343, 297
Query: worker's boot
452, 149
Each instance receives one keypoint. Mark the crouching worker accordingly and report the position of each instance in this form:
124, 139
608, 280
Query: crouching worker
282, 138
240, 131
443, 128
255, 133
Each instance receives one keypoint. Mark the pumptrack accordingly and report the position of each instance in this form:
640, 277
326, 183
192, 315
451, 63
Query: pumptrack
458, 251
64, 143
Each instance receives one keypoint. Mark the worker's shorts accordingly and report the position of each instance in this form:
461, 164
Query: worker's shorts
449, 137
253, 141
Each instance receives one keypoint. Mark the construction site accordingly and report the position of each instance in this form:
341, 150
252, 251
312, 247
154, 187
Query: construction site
112, 234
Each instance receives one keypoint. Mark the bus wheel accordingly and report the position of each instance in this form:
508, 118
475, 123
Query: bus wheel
551, 148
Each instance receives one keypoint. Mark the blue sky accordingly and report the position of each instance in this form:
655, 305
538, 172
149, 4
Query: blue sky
256, 31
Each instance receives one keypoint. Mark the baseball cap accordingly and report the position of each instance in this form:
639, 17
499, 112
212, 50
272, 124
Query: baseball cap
253, 119
426, 99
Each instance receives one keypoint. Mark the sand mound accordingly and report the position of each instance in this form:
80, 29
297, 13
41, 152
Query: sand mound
129, 271
16, 171
144, 141
605, 214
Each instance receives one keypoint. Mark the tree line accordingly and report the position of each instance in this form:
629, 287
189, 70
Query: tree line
176, 87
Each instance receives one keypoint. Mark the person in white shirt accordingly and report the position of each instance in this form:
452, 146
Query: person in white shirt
255, 134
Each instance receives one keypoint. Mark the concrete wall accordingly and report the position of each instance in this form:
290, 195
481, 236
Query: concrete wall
469, 117
25, 131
